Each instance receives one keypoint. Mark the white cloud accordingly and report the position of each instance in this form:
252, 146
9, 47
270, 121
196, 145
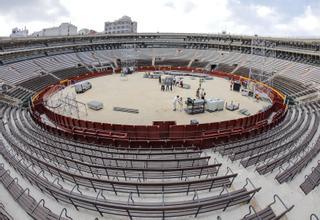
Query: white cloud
170, 5
195, 16
307, 24
264, 11
309, 21
189, 6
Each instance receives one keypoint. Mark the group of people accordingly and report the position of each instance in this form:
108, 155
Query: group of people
200, 93
177, 102
168, 83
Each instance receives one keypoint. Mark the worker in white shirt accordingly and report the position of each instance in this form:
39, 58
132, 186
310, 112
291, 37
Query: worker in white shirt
180, 104
175, 101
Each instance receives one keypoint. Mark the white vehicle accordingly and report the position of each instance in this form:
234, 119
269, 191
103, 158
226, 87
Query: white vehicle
82, 87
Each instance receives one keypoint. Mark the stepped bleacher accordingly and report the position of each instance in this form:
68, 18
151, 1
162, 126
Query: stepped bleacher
242, 71
4, 99
4, 215
287, 71
140, 62
10, 75
199, 64
312, 180
291, 87
172, 62
203, 188
39, 83
87, 58
290, 151
268, 212
70, 72
19, 93
37, 210
225, 68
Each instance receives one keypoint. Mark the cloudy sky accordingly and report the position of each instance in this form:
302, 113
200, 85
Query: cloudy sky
299, 18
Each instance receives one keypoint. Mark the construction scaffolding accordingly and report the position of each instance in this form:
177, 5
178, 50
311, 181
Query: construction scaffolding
66, 104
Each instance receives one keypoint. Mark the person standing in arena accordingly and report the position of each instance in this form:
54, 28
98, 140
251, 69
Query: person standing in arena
180, 104
162, 86
198, 93
167, 85
203, 94
175, 101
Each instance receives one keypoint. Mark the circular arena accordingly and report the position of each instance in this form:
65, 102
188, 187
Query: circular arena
92, 128
144, 94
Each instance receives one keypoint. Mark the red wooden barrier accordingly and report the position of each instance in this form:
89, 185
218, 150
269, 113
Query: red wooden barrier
161, 133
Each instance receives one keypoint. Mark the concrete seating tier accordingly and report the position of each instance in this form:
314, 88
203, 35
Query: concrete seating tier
39, 83
19, 93
70, 72
36, 210
267, 213
29, 153
294, 143
4, 214
312, 180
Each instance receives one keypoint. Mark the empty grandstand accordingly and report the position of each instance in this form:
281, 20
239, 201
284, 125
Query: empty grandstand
262, 165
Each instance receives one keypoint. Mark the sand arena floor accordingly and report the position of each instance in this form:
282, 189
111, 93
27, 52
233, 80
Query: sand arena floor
134, 91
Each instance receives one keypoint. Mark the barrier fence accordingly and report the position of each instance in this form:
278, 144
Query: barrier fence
162, 133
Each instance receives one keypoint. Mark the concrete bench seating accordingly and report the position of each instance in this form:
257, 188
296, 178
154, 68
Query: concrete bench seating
288, 144
131, 208
267, 213
110, 151
4, 215
36, 210
289, 173
258, 151
270, 166
229, 148
312, 180
107, 171
98, 157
